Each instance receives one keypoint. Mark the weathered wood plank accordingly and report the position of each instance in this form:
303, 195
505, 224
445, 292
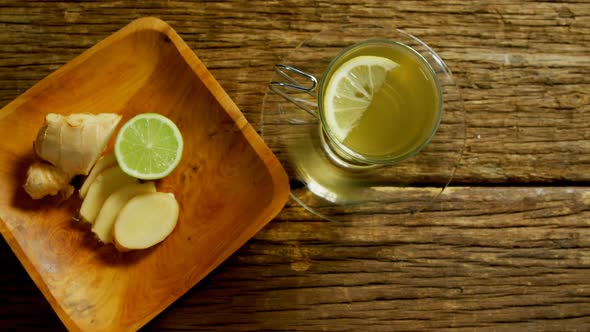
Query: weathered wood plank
481, 258
496, 258
523, 67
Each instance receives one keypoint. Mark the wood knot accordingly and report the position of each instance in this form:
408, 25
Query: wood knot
300, 266
71, 16
565, 12
514, 60
565, 16
301, 263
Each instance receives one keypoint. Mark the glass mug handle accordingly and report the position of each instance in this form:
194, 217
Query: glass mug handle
280, 88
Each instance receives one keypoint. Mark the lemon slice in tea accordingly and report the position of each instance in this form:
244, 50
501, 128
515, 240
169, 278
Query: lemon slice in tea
149, 146
350, 91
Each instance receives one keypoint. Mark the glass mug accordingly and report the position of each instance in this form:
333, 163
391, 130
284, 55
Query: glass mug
386, 93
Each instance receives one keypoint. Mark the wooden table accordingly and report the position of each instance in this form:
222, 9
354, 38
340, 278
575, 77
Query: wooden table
507, 247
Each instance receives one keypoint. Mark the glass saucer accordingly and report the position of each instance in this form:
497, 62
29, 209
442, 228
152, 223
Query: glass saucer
333, 192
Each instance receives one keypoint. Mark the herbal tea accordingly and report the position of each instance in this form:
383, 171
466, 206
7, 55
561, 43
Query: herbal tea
381, 100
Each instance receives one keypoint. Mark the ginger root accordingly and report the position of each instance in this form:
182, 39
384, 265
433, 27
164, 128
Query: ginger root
71, 144
44, 179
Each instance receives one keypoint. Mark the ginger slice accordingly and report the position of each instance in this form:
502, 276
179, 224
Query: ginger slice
103, 225
103, 163
145, 220
106, 183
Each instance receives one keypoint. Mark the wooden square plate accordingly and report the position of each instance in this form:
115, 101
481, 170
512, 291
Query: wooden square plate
228, 184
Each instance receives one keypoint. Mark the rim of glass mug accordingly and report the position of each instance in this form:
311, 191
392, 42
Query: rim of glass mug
341, 149
348, 152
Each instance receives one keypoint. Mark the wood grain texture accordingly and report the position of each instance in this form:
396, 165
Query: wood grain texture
507, 258
228, 185
523, 66
485, 259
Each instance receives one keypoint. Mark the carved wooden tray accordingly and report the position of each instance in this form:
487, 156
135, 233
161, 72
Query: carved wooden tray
229, 184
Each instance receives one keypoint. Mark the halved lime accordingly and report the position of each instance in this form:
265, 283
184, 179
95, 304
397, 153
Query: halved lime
350, 91
149, 146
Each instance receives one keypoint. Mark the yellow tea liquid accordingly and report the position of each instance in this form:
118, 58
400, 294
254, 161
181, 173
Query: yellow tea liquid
404, 112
